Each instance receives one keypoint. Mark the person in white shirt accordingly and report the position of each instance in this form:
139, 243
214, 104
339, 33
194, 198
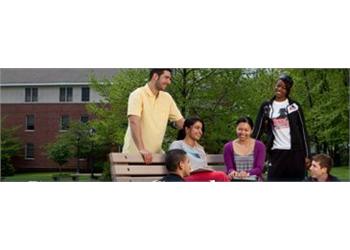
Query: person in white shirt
283, 120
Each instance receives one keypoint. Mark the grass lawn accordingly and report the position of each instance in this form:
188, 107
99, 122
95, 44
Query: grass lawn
44, 176
343, 172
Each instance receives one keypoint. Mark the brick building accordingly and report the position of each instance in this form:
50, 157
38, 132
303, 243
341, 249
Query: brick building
42, 102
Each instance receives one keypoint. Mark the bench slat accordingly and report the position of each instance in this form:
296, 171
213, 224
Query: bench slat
129, 168
126, 158
157, 158
148, 170
140, 170
215, 159
218, 167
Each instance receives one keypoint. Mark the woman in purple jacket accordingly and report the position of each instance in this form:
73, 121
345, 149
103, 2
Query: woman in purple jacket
245, 156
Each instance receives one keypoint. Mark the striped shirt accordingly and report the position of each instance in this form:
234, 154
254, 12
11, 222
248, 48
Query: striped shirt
244, 162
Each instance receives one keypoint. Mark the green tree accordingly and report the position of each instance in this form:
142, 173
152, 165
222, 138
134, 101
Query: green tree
59, 152
111, 112
77, 142
10, 146
323, 94
78, 139
220, 96
212, 95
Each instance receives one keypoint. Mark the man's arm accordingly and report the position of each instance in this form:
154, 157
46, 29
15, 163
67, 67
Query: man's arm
180, 123
136, 133
260, 121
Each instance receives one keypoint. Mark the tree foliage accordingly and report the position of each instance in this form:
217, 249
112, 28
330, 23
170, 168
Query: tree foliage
210, 94
324, 96
220, 96
111, 112
10, 146
59, 152
77, 142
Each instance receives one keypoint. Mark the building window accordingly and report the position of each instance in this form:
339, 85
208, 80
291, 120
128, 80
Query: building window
85, 94
62, 94
84, 119
30, 122
64, 122
31, 94
29, 151
66, 94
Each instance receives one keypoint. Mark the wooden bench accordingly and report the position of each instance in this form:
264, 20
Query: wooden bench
131, 168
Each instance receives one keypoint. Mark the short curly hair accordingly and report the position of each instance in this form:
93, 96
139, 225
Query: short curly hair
159, 72
324, 160
173, 158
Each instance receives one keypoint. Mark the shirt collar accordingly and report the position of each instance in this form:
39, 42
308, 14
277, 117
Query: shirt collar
149, 91
175, 175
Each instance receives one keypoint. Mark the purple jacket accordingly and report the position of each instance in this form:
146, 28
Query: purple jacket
259, 158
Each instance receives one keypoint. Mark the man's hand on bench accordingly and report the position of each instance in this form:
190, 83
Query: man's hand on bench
146, 155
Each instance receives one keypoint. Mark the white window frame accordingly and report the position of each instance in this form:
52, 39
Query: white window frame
84, 116
61, 123
30, 130
26, 152
66, 98
88, 97
31, 94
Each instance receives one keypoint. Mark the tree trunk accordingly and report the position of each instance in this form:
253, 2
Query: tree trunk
347, 77
336, 158
307, 84
184, 92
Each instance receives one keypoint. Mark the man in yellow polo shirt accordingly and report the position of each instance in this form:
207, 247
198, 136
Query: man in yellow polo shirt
149, 109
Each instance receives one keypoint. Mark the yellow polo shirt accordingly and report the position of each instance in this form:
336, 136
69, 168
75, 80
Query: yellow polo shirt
154, 111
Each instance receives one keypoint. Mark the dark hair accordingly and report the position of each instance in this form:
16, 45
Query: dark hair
189, 122
324, 160
245, 119
159, 72
288, 81
173, 158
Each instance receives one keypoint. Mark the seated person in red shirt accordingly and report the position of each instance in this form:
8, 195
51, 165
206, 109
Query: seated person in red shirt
178, 165
188, 139
320, 168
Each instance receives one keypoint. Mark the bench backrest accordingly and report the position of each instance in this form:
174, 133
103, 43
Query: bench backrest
128, 168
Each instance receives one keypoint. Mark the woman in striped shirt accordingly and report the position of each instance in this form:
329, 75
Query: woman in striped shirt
244, 157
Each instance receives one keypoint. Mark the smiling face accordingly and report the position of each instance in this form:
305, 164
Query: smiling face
243, 131
195, 132
317, 171
163, 80
281, 90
